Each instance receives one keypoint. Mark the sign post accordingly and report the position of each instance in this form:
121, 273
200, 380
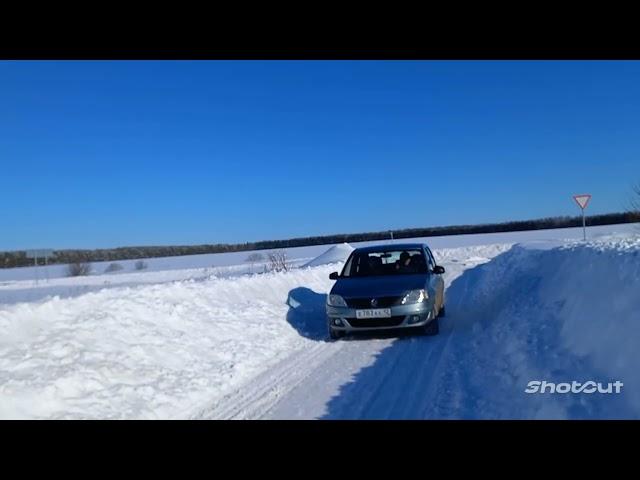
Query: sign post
41, 253
582, 201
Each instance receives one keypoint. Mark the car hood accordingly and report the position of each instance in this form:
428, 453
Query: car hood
382, 286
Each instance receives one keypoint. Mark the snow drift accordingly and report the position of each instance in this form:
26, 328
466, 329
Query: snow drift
552, 311
152, 351
336, 254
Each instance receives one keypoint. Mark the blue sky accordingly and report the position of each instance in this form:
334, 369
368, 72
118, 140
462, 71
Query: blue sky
103, 154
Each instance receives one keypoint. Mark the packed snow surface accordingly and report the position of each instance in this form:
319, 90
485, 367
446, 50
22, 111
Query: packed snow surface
225, 343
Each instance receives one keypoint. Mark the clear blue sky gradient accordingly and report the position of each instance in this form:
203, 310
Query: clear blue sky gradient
104, 154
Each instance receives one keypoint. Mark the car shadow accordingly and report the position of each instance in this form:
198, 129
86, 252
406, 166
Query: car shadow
307, 313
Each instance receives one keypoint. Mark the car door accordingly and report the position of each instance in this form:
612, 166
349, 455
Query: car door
436, 281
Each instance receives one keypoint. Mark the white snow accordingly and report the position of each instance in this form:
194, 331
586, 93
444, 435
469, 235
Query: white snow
335, 254
151, 351
563, 313
223, 343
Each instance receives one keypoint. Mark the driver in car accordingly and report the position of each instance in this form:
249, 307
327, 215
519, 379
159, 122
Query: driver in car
403, 262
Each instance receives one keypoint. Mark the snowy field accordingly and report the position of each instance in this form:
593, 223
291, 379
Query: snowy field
28, 284
203, 337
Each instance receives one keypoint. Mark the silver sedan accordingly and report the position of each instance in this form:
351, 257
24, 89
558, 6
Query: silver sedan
387, 287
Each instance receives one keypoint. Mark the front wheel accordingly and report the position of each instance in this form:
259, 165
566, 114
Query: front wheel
433, 327
335, 334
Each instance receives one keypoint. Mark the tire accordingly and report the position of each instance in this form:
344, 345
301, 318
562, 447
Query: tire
431, 328
335, 334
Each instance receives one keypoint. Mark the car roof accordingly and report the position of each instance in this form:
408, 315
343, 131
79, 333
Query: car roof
390, 246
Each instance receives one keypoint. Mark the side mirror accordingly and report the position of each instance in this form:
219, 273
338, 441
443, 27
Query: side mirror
438, 270
333, 276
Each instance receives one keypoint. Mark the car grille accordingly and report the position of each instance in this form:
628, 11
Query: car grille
376, 322
383, 302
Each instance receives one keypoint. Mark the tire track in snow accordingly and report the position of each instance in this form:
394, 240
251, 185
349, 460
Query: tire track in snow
253, 400
402, 379
371, 394
310, 398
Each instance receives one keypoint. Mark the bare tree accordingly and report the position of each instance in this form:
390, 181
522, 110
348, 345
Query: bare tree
278, 261
78, 269
254, 258
113, 267
635, 202
140, 265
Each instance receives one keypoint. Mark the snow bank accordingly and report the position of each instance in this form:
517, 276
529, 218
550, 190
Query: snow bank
337, 253
556, 312
151, 351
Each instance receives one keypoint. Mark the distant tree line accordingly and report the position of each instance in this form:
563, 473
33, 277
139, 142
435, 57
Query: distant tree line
19, 259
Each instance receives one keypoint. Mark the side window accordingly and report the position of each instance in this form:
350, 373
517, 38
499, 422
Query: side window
346, 271
430, 259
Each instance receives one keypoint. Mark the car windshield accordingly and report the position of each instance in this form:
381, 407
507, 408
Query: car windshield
385, 262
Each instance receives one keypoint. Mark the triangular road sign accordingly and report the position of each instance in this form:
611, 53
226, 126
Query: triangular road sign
582, 200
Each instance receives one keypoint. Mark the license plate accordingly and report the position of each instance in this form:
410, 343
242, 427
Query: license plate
374, 313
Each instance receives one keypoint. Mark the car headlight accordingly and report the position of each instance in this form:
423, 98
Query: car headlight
415, 296
336, 301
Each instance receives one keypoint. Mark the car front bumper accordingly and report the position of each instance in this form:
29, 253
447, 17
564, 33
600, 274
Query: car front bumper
402, 316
